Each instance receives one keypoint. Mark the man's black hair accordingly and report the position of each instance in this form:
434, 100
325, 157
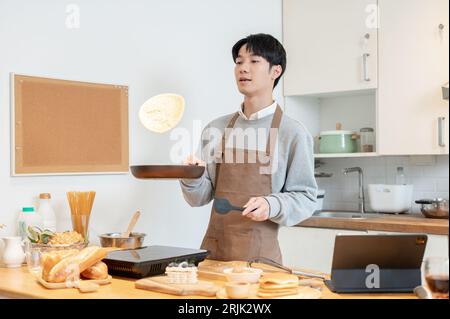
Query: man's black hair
266, 46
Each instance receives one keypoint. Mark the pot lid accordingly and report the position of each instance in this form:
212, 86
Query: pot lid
431, 201
340, 132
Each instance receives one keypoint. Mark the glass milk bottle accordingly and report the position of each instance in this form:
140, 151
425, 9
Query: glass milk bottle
47, 213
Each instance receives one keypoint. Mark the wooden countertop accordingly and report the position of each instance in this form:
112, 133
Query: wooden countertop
392, 223
19, 283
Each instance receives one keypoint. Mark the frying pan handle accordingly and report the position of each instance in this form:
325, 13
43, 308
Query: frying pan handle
424, 201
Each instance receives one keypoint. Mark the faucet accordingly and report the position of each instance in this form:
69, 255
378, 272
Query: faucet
361, 186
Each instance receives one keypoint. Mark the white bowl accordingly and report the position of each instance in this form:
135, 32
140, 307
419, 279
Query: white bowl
237, 290
250, 275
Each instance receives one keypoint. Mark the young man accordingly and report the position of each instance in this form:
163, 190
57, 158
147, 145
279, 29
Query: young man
275, 182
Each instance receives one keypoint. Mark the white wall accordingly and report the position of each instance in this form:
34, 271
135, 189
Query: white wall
154, 46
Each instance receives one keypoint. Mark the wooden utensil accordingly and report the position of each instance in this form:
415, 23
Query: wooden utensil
131, 225
161, 284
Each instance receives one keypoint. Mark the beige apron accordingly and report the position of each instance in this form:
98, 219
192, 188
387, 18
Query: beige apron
233, 236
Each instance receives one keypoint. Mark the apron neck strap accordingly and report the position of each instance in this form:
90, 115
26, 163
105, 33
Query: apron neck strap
273, 132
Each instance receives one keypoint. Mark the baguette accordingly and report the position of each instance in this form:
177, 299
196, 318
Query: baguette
50, 259
97, 271
80, 262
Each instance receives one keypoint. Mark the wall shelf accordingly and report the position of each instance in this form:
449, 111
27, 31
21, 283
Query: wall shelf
343, 155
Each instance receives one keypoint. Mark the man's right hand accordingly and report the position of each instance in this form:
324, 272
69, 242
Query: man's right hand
192, 160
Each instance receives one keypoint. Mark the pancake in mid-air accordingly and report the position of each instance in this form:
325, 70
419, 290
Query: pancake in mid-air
162, 113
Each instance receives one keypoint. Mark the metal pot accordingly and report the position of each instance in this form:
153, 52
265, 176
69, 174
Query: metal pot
434, 208
116, 240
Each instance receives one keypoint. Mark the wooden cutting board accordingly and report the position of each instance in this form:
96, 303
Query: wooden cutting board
84, 285
161, 284
213, 270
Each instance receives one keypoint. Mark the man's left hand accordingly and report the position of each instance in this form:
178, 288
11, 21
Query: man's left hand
257, 209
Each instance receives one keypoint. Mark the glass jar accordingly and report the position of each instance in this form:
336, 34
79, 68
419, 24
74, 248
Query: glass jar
367, 140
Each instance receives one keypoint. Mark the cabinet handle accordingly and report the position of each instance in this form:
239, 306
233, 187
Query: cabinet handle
366, 67
441, 127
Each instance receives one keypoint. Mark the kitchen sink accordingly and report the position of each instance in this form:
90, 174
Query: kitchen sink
345, 214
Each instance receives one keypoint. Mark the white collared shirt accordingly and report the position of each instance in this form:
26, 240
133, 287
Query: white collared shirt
268, 110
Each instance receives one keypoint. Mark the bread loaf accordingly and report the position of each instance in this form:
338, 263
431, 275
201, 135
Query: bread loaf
50, 259
97, 271
76, 263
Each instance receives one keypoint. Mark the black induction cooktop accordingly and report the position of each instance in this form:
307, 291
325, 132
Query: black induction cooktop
150, 260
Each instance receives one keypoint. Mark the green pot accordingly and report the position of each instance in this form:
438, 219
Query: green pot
337, 142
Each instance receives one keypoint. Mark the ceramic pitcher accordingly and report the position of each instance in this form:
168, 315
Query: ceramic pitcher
13, 255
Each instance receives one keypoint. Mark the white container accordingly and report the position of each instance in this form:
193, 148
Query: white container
27, 217
46, 212
390, 198
320, 199
13, 255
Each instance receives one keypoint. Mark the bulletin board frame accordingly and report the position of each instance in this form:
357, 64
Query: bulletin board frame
65, 127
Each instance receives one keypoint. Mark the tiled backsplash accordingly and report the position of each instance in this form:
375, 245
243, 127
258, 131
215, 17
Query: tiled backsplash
429, 175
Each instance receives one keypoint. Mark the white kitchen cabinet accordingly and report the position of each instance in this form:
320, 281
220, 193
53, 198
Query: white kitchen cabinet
312, 248
331, 46
413, 65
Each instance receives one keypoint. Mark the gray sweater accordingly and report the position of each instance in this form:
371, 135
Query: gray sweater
293, 184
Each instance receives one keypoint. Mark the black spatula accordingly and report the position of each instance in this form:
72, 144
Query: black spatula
223, 206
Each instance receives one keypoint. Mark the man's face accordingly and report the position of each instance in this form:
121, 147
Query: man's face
253, 73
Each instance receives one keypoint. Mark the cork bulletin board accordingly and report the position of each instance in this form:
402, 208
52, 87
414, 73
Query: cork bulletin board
68, 127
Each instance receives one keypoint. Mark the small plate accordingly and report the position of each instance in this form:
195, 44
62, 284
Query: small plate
167, 171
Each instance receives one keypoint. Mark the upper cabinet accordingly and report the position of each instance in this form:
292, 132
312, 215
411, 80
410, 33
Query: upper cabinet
331, 46
368, 63
413, 66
